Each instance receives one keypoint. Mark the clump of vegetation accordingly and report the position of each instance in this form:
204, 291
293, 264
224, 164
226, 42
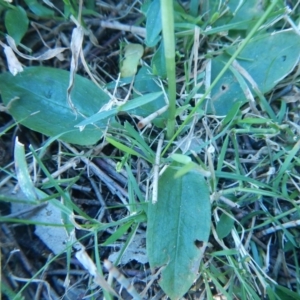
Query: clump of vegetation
150, 149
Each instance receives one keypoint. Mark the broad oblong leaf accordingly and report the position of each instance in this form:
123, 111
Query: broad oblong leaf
267, 59
37, 98
39, 9
16, 23
178, 224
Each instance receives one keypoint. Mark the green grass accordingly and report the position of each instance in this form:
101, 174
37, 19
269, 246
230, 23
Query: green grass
224, 123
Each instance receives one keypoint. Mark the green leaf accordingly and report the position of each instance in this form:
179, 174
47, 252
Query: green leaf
284, 293
249, 10
122, 147
145, 83
129, 105
118, 233
181, 158
5, 5
267, 58
39, 9
40, 103
139, 101
7, 291
158, 62
139, 141
16, 23
194, 4
224, 226
238, 11
177, 226
153, 23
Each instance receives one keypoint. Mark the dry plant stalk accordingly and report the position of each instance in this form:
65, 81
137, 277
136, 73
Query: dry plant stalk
89, 265
156, 170
122, 279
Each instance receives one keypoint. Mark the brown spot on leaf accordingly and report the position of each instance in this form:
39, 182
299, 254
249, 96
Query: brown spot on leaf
224, 87
198, 244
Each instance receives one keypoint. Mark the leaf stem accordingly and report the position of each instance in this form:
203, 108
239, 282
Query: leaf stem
167, 15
